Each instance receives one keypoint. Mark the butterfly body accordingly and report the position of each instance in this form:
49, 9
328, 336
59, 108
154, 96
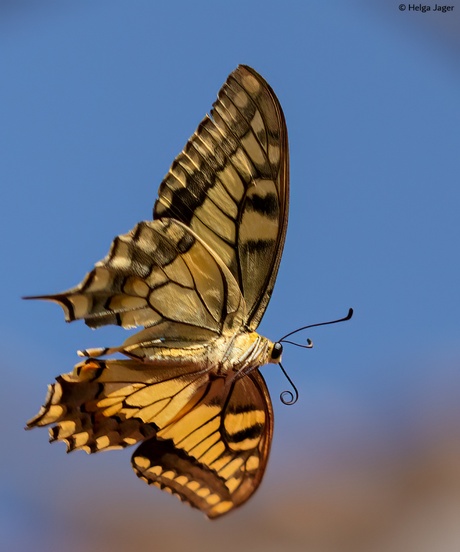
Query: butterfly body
197, 279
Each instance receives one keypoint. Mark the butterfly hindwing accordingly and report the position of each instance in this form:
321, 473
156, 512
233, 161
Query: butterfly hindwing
161, 276
215, 456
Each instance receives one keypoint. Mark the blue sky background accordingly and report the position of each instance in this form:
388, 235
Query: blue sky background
96, 100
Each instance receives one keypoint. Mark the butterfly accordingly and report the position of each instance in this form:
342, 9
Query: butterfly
197, 279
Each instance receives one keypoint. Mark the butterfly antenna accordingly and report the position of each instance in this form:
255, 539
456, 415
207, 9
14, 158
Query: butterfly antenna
309, 343
291, 397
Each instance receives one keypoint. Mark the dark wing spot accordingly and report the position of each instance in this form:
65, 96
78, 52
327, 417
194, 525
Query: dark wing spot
267, 205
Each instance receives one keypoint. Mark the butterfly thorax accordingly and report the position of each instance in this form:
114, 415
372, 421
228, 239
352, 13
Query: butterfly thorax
244, 352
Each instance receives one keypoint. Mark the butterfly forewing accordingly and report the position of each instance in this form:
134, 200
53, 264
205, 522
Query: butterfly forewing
197, 280
116, 403
230, 185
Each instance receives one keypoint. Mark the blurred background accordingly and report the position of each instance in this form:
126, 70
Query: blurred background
96, 100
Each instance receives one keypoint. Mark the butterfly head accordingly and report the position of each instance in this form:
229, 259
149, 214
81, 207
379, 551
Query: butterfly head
275, 353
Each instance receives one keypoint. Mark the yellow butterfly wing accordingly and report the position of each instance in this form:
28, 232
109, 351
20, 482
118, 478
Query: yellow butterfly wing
230, 185
198, 279
215, 456
204, 442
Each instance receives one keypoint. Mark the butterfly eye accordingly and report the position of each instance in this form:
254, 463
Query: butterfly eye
277, 351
